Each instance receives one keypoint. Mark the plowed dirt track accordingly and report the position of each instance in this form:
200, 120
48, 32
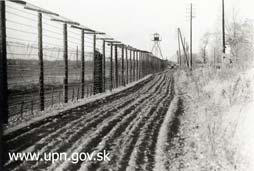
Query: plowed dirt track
125, 124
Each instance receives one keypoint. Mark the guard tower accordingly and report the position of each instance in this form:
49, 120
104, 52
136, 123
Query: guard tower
156, 50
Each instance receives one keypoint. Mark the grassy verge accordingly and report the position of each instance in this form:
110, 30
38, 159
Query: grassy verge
216, 105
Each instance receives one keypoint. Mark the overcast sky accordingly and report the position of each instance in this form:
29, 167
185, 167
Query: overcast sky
134, 21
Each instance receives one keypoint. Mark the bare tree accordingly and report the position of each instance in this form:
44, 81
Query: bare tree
239, 38
204, 44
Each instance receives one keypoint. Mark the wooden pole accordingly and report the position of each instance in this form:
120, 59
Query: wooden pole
40, 54
179, 51
184, 50
116, 67
65, 39
134, 65
111, 66
103, 66
140, 64
131, 68
82, 64
123, 76
94, 56
223, 30
191, 62
3, 80
137, 65
127, 65
3, 67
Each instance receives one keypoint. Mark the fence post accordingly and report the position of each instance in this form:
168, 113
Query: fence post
40, 53
127, 65
103, 66
111, 66
142, 67
3, 68
134, 65
146, 63
94, 56
137, 67
3, 80
116, 67
123, 76
98, 74
65, 39
130, 65
82, 64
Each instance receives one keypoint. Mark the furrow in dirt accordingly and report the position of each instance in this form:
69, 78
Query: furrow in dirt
109, 142
89, 126
108, 125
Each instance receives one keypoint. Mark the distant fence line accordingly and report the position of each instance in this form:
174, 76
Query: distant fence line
46, 59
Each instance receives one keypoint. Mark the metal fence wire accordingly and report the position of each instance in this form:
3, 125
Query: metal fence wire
49, 60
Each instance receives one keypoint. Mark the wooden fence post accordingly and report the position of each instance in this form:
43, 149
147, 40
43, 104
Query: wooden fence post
123, 76
116, 67
82, 64
94, 56
98, 74
65, 39
3, 67
103, 66
3, 80
40, 54
131, 68
142, 67
127, 65
111, 66
139, 64
134, 65
137, 68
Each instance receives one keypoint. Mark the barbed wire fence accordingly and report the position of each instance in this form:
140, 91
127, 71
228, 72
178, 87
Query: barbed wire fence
48, 60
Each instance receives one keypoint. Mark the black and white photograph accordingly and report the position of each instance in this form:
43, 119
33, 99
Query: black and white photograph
127, 85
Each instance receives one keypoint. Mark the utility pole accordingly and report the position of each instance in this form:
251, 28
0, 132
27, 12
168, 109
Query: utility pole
184, 50
223, 30
179, 50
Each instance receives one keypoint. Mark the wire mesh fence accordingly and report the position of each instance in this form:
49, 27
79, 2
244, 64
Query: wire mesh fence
51, 62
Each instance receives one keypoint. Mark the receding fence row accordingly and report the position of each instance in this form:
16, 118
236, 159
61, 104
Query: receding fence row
47, 60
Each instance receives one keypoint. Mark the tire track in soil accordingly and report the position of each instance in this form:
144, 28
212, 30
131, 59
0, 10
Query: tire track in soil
29, 140
114, 115
114, 135
13, 141
90, 125
93, 142
130, 148
172, 133
89, 107
145, 152
115, 144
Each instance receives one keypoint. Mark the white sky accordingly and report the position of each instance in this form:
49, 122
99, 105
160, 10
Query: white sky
134, 21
